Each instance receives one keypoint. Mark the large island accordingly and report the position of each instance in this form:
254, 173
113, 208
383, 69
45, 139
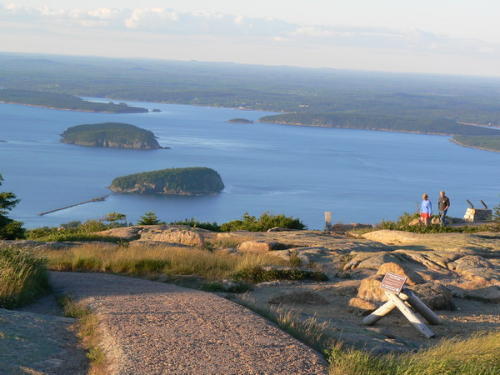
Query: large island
63, 101
174, 181
110, 134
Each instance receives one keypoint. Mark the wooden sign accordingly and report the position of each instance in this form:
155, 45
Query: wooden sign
403, 300
393, 282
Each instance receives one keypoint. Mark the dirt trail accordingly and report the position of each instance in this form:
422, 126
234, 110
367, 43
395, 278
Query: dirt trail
156, 328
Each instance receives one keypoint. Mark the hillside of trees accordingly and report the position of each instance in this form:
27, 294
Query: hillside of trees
354, 120
63, 101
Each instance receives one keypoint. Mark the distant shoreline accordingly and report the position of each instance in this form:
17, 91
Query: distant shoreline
453, 140
69, 109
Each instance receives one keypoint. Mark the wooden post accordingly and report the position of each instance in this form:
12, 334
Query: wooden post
328, 221
410, 315
378, 314
421, 307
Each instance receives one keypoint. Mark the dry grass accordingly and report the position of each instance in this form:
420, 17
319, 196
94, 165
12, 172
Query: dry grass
87, 333
478, 355
150, 261
22, 278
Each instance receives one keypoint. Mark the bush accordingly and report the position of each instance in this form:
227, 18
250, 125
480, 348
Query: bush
73, 231
258, 274
22, 278
264, 222
193, 223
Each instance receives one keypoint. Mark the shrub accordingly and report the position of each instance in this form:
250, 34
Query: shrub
73, 231
22, 278
259, 274
214, 227
264, 222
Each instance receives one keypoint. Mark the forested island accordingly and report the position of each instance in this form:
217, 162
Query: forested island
174, 181
348, 120
240, 121
110, 134
488, 143
63, 101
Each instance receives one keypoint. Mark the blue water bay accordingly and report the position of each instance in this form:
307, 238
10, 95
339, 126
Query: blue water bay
361, 176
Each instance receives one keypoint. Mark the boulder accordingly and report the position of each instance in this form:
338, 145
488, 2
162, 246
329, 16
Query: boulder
361, 304
279, 229
412, 278
261, 246
414, 222
434, 295
370, 289
342, 228
182, 235
473, 267
299, 298
125, 233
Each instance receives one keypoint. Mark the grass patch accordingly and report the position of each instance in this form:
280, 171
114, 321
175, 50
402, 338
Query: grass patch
23, 278
151, 261
478, 355
87, 333
259, 274
403, 224
309, 331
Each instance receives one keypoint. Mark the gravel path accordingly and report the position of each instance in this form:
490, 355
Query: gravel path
156, 328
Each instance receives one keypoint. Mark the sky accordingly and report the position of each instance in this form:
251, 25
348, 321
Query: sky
426, 36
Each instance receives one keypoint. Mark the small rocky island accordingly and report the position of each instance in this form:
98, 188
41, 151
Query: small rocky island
174, 181
240, 121
110, 134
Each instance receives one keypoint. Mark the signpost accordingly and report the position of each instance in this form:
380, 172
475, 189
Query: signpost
404, 300
328, 221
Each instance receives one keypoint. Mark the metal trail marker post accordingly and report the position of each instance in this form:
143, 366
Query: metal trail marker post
404, 300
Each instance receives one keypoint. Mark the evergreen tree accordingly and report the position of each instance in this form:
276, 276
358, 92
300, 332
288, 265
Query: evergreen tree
149, 218
9, 229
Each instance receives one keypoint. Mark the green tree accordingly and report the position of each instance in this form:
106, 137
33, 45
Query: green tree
9, 229
149, 218
115, 218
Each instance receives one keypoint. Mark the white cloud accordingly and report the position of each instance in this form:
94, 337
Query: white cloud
163, 21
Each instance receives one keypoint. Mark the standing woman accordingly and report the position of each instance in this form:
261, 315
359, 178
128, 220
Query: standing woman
425, 210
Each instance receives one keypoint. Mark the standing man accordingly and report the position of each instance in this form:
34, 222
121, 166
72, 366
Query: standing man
425, 210
444, 204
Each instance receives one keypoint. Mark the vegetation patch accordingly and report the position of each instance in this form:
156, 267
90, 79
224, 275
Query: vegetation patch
87, 333
260, 274
264, 222
478, 355
23, 278
74, 231
403, 224
155, 261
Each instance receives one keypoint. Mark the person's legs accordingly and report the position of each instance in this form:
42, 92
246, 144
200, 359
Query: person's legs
442, 218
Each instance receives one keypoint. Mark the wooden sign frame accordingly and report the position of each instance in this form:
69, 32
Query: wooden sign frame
404, 300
